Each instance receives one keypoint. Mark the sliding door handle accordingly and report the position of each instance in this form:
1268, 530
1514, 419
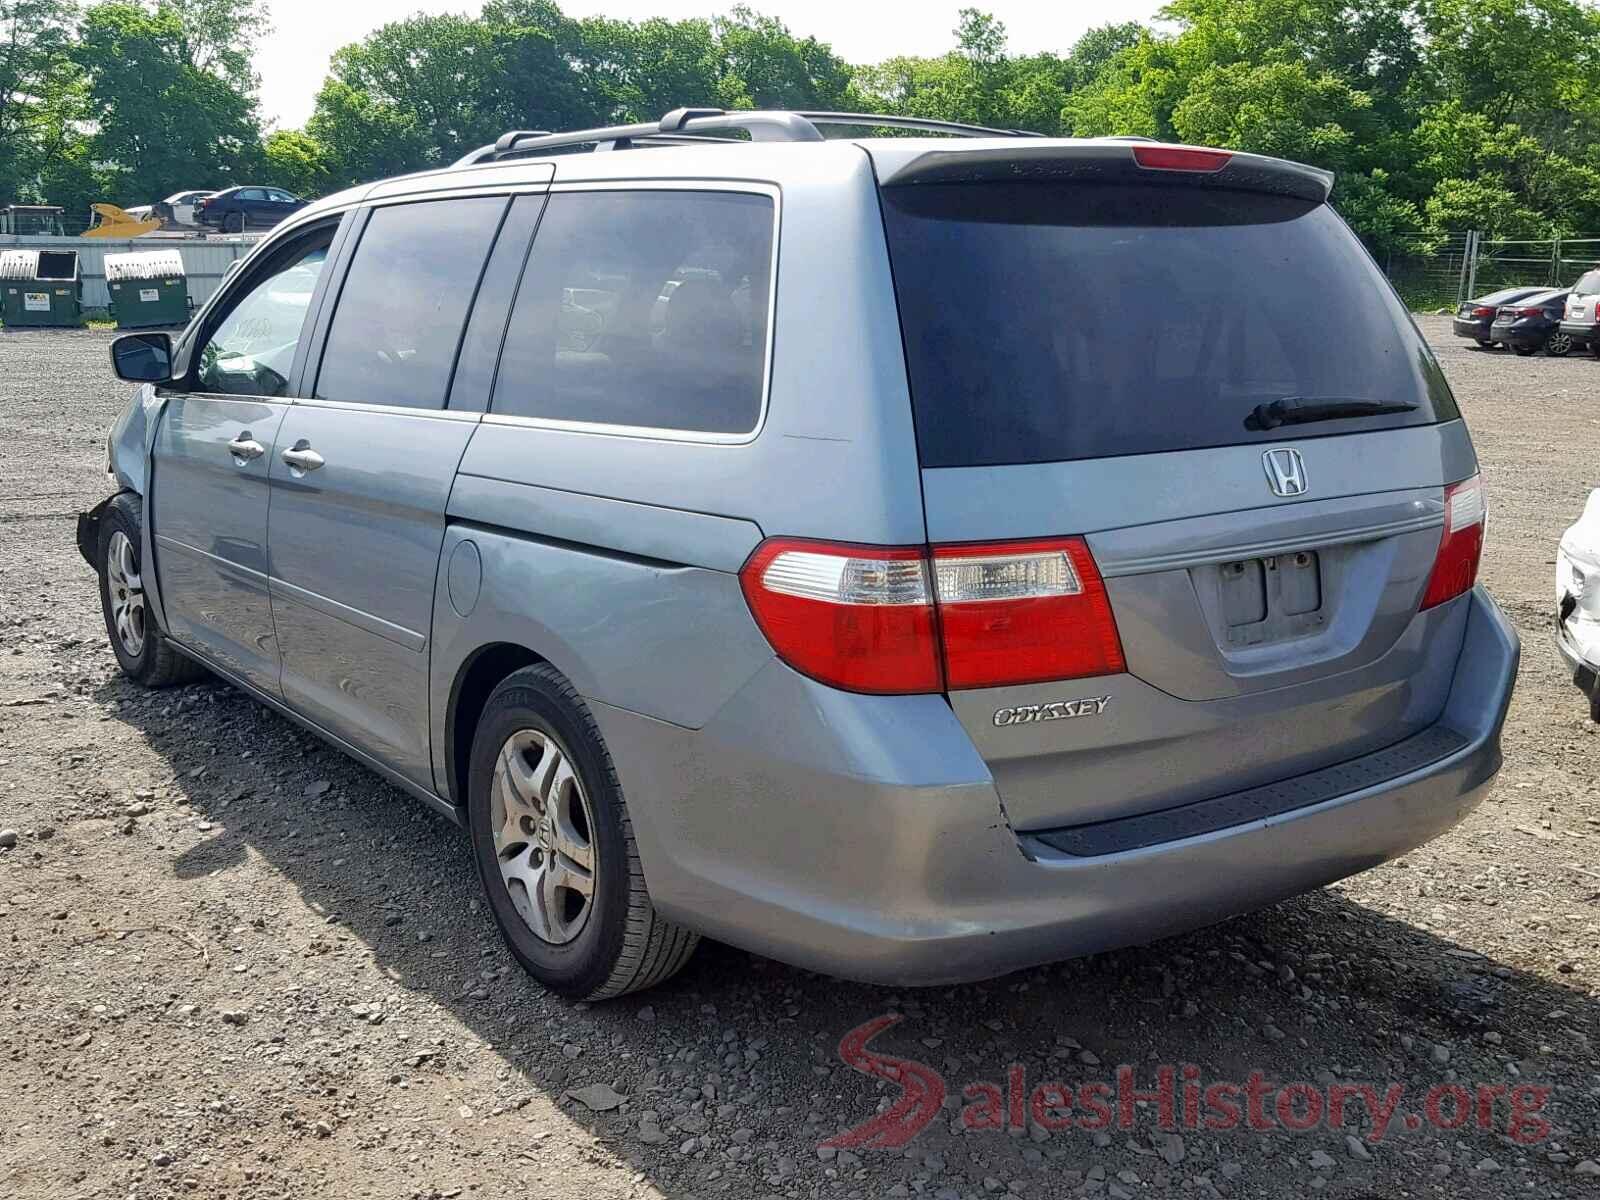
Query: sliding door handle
302, 458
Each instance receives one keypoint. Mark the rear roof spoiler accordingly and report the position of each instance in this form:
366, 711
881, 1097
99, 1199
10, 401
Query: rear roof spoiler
1099, 160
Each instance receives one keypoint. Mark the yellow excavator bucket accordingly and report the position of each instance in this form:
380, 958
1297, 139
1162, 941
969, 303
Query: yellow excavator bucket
114, 223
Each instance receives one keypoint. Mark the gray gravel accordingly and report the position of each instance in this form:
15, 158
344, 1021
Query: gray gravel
233, 963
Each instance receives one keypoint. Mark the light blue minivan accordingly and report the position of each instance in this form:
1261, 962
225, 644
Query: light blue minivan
779, 537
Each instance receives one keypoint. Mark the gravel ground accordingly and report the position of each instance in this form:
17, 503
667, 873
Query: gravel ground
234, 964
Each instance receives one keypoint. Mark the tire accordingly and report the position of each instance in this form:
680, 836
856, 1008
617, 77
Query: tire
1558, 345
1525, 351
593, 948
1484, 344
233, 223
142, 651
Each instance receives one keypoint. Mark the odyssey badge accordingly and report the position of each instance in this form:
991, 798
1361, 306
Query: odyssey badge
1059, 710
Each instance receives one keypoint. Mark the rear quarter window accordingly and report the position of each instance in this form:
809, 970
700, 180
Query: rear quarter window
1047, 322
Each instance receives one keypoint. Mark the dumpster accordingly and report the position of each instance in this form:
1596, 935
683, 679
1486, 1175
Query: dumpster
147, 289
40, 288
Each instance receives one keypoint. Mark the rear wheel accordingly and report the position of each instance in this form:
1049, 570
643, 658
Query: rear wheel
554, 847
144, 655
1525, 351
1485, 344
233, 223
1559, 345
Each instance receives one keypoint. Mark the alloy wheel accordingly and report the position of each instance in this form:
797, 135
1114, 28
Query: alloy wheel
125, 588
543, 835
1559, 344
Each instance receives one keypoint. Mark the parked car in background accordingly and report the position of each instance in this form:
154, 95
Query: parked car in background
952, 639
176, 209
1578, 602
179, 208
233, 210
1581, 322
1474, 318
1533, 323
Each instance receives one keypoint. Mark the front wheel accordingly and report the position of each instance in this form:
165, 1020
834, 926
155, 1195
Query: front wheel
1559, 345
143, 654
554, 846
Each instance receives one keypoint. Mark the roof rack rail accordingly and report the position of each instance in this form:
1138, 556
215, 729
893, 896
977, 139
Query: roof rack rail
696, 125
924, 124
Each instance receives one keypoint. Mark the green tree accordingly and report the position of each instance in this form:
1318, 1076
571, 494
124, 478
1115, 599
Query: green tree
160, 122
437, 78
1098, 48
1281, 109
763, 65
645, 70
297, 161
976, 82
219, 36
35, 70
1533, 62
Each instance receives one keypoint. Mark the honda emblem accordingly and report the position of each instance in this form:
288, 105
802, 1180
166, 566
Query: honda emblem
1286, 472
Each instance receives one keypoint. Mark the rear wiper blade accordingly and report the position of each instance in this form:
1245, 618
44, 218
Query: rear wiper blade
1301, 410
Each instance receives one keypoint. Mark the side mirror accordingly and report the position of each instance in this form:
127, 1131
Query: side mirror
142, 357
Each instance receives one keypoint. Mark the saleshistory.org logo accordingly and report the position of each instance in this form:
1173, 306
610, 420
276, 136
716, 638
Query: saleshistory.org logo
1179, 1099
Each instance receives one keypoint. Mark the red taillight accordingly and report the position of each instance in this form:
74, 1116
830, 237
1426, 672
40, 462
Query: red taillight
856, 617
1455, 566
872, 619
1180, 158
1023, 612
1483, 311
1530, 312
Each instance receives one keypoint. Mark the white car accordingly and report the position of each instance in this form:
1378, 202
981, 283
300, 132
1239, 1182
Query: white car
176, 209
1578, 601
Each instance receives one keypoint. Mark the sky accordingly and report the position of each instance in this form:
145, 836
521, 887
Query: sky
293, 59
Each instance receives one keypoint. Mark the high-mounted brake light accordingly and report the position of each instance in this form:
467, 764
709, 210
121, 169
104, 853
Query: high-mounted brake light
877, 619
1455, 566
1180, 158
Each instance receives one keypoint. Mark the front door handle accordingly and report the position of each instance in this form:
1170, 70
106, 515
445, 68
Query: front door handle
302, 458
244, 448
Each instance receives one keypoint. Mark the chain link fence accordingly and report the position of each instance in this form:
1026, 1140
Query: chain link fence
1439, 271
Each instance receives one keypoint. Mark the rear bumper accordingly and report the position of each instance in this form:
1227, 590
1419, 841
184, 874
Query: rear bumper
1521, 336
1581, 334
862, 836
1477, 330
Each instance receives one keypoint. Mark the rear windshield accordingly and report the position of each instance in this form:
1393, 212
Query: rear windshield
1047, 322
1504, 297
1588, 285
